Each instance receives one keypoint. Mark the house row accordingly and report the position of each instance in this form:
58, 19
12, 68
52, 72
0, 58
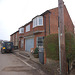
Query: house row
32, 34
15, 38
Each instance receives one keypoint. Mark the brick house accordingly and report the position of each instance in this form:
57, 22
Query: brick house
15, 38
31, 35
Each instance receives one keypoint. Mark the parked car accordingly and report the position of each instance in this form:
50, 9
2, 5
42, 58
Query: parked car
6, 47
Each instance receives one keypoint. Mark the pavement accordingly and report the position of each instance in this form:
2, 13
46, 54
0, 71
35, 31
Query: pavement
24, 63
11, 64
51, 67
26, 55
72, 72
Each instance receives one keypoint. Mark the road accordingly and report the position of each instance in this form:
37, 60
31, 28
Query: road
10, 64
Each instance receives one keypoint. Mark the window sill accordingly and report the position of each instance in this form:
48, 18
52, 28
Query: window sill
38, 26
21, 33
27, 31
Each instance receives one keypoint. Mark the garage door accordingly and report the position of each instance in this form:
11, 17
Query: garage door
29, 43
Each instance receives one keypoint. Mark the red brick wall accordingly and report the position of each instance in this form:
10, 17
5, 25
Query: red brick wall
69, 27
14, 35
39, 28
47, 23
31, 28
24, 44
68, 22
18, 34
11, 38
29, 32
54, 21
14, 39
22, 49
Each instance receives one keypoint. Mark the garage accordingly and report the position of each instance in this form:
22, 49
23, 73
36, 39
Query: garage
29, 43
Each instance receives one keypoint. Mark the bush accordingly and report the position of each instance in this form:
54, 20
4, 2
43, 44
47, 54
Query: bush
51, 46
36, 51
70, 46
36, 55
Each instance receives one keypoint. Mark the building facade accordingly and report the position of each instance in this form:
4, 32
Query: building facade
32, 34
15, 38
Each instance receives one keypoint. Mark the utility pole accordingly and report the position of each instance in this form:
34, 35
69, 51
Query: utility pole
61, 31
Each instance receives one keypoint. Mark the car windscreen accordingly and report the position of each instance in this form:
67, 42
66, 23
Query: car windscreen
8, 45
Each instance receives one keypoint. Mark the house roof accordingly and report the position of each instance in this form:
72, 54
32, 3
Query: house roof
48, 11
14, 33
25, 24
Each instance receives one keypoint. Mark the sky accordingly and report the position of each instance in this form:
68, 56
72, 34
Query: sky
16, 13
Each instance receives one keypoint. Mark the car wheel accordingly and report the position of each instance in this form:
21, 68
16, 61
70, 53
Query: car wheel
2, 51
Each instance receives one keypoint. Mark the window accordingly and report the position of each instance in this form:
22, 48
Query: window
34, 22
22, 42
21, 30
27, 28
38, 21
40, 41
41, 20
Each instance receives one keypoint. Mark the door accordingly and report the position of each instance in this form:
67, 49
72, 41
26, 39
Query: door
29, 43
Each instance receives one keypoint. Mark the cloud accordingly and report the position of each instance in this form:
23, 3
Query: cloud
15, 13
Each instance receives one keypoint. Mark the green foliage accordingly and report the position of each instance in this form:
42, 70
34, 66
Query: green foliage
70, 45
36, 51
51, 46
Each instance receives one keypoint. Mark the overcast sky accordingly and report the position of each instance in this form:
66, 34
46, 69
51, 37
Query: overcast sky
16, 13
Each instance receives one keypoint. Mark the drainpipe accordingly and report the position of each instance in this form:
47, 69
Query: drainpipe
49, 22
45, 24
33, 31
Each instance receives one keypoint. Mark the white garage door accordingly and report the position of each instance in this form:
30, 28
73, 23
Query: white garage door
29, 43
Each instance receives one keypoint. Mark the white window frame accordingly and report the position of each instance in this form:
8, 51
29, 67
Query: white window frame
28, 28
21, 30
36, 21
41, 17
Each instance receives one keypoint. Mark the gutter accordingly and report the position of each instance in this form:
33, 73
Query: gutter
49, 22
45, 24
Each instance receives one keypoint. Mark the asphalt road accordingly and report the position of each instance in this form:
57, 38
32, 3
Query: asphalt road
10, 64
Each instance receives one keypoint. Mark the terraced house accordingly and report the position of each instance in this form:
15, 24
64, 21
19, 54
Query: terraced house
32, 34
15, 38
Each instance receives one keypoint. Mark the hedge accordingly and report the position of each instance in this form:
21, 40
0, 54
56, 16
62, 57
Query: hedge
51, 46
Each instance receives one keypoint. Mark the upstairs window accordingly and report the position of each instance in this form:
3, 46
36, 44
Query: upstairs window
27, 28
41, 20
38, 21
34, 22
21, 30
